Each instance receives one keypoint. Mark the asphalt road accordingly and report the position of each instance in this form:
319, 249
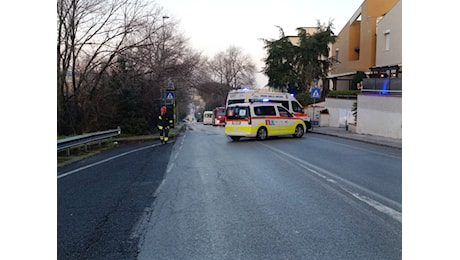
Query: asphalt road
103, 200
318, 197
206, 197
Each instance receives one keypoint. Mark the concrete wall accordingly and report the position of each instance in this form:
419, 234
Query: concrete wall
380, 115
339, 111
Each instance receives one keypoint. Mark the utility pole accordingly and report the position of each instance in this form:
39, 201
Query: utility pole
163, 65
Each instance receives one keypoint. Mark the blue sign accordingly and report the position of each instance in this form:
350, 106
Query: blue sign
170, 85
315, 93
169, 95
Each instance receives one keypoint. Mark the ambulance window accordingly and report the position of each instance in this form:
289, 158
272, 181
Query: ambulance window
237, 112
234, 101
284, 112
230, 112
285, 103
296, 107
266, 111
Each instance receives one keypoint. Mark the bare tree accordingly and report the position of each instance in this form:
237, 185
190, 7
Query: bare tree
168, 57
232, 68
90, 34
114, 57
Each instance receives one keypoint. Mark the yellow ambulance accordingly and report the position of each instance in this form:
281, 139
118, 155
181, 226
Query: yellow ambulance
286, 99
260, 120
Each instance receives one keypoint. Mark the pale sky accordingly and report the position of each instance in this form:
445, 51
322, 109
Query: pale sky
213, 26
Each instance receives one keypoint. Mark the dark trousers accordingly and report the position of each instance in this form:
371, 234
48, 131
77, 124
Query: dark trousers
164, 134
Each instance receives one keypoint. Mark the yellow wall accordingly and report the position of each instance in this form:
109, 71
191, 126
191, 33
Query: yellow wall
362, 35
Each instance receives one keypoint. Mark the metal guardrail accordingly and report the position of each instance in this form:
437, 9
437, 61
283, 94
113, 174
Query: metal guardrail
86, 139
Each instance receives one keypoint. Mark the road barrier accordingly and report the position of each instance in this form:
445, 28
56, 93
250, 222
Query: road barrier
86, 139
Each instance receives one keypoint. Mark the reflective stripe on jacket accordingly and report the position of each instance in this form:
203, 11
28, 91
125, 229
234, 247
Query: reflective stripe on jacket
163, 121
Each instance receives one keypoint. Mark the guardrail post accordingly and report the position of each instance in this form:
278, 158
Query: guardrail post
97, 138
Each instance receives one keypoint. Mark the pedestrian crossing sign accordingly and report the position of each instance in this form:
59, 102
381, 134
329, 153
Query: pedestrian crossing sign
169, 95
315, 93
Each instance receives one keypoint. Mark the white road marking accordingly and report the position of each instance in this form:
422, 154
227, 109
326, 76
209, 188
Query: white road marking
103, 161
316, 170
157, 191
379, 206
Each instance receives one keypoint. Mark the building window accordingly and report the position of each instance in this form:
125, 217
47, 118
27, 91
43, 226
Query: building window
387, 40
337, 54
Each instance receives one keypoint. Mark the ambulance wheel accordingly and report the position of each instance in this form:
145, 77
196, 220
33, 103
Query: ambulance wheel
262, 133
235, 138
298, 131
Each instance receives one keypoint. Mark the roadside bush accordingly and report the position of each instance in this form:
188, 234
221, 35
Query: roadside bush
304, 98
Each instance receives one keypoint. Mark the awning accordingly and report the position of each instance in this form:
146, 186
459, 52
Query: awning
341, 75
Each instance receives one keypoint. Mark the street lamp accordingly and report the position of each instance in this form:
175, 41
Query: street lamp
163, 90
169, 85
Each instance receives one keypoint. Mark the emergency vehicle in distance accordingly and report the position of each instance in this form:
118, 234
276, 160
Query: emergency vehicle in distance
286, 99
218, 116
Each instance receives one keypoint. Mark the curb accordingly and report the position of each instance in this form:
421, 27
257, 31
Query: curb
356, 138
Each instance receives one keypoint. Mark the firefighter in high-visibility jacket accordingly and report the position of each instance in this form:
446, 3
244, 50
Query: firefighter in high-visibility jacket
163, 125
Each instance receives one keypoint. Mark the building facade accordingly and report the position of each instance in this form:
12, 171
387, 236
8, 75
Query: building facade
364, 39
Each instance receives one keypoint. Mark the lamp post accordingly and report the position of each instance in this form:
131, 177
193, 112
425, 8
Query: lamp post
166, 87
163, 88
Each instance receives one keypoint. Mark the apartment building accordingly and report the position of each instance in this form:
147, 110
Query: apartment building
369, 42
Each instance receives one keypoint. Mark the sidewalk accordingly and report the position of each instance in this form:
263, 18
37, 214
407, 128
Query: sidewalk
341, 132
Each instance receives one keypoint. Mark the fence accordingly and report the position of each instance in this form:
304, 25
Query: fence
86, 139
382, 86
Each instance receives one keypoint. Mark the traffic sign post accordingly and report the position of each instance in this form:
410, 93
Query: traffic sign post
171, 104
315, 94
169, 100
169, 97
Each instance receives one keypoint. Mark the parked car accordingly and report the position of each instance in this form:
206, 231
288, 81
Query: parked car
260, 120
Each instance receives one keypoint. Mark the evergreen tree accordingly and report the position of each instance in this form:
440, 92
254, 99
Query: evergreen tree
294, 68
